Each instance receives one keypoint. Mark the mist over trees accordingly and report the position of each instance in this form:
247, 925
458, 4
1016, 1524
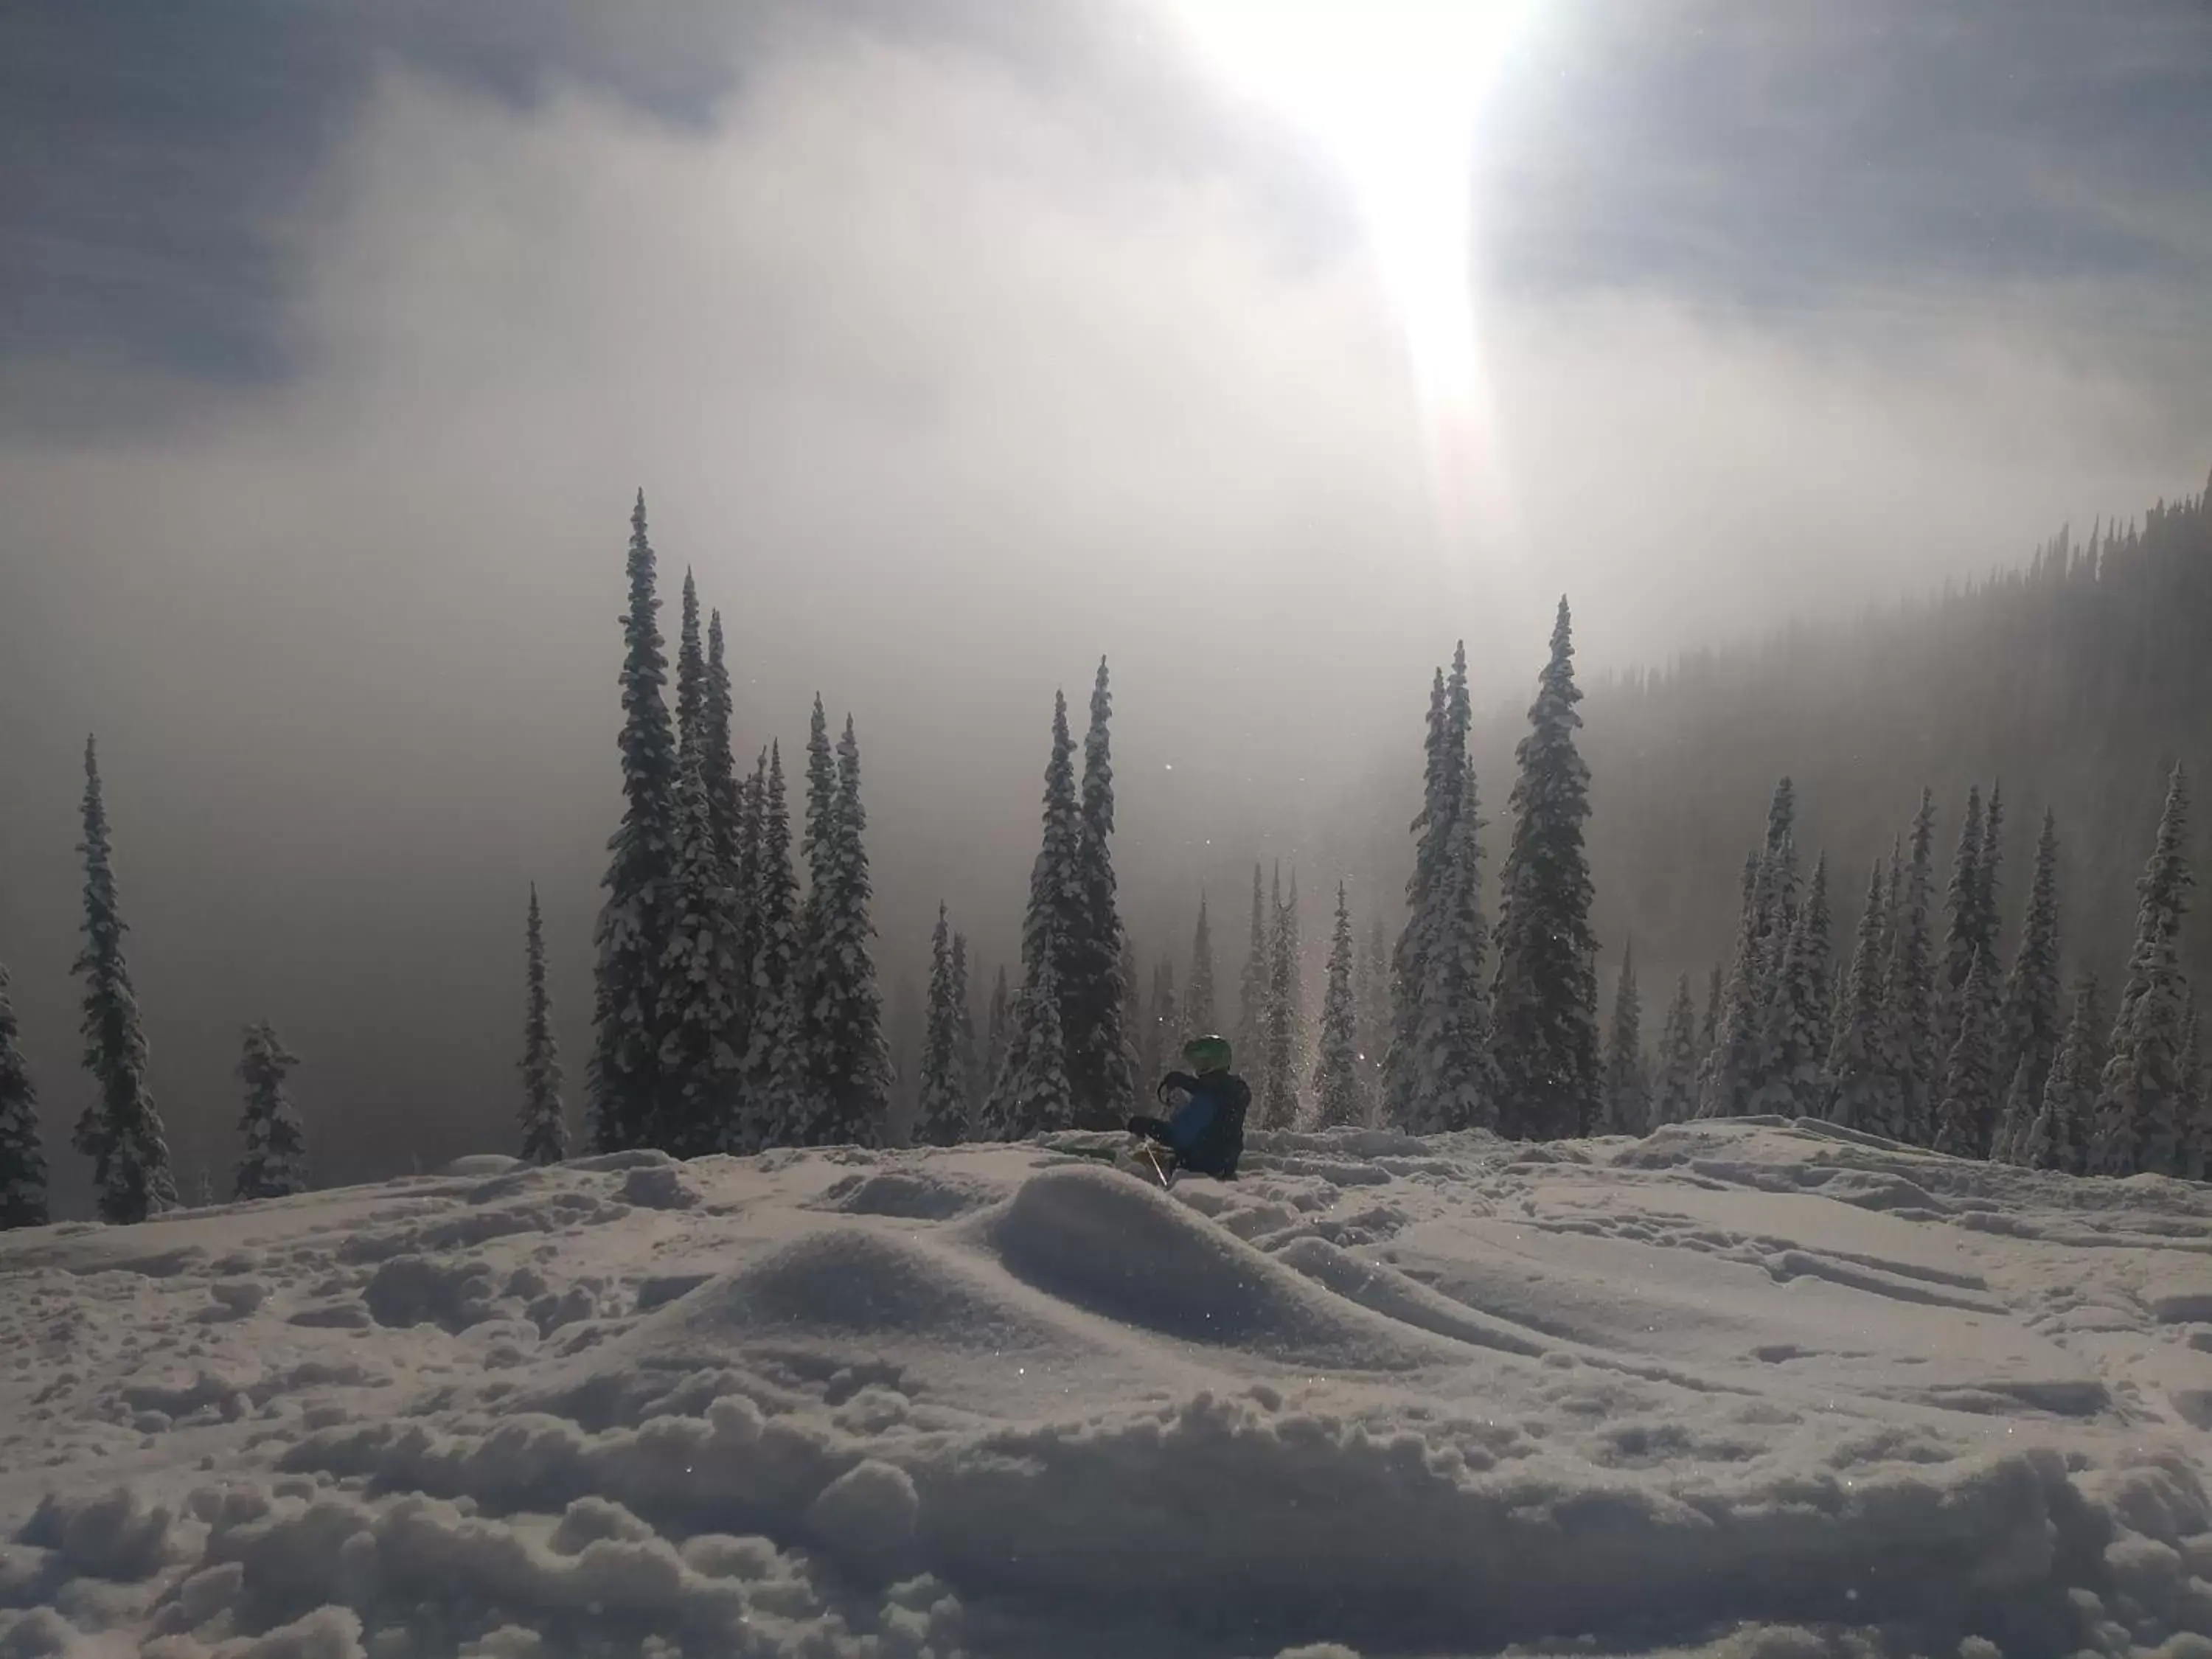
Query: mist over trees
737, 1003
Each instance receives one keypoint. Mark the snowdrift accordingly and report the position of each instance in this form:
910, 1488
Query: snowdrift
1751, 1389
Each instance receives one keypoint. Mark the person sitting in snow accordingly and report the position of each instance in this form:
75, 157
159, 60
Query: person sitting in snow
1205, 1133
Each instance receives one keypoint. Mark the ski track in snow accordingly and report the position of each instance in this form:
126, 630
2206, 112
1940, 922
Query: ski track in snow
1749, 1389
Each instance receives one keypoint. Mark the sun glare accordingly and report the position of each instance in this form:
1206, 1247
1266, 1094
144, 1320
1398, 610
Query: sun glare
1393, 90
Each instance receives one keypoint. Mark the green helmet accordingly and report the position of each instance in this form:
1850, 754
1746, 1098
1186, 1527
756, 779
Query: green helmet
1207, 1054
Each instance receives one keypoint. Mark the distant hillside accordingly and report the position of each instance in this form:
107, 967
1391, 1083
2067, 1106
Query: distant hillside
2077, 681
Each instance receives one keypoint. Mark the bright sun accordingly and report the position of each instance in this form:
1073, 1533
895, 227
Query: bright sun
1393, 89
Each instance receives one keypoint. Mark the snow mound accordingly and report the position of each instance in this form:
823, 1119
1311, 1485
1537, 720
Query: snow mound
1749, 1390
1110, 1244
848, 1282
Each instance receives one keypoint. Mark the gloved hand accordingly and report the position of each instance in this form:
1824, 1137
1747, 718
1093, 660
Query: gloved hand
1182, 1080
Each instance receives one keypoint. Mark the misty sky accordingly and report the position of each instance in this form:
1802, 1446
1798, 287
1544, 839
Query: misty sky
956, 342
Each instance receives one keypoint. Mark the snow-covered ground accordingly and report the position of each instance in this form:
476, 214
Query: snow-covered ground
1744, 1389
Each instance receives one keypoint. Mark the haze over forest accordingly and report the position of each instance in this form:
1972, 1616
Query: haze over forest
955, 352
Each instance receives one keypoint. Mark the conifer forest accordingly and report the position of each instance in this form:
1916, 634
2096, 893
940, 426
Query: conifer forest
1958, 919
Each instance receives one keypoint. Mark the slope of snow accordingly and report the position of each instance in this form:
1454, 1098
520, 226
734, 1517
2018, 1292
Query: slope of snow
1751, 1389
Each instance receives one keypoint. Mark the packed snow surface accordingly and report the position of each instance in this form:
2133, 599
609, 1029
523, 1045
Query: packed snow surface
1749, 1389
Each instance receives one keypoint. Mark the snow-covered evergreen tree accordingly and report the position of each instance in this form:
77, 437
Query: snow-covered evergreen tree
2140, 1099
1275, 1101
1339, 1098
2059, 1137
1776, 884
1962, 922
1790, 1072
701, 1058
544, 1123
628, 1090
1200, 1014
731, 807
967, 1053
1544, 1010
848, 1064
1726, 1078
1966, 1118
1252, 989
1440, 1072
276, 1161
120, 1132
1989, 877
22, 1157
1057, 909
2028, 1030
1627, 1084
1908, 998
942, 1117
773, 1089
1094, 994
1295, 996
1674, 1089
1708, 1031
1858, 1091
1030, 1095
2195, 1132
998, 1038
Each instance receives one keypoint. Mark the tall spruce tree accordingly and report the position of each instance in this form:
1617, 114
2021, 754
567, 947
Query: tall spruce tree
1056, 912
1962, 922
849, 1069
1674, 1089
544, 1123
1627, 1083
120, 1132
998, 1037
276, 1161
1338, 1097
2140, 1100
1725, 1081
773, 1091
1545, 1006
2059, 1137
701, 1059
1708, 1032
1094, 994
1440, 1071
1988, 879
1200, 1013
627, 1087
2195, 1132
1908, 999
1465, 1087
22, 1157
1252, 987
1793, 1037
967, 1054
1858, 1083
1408, 1070
1966, 1118
942, 1117
1776, 883
2028, 1032
732, 810
1276, 1100
1030, 1094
